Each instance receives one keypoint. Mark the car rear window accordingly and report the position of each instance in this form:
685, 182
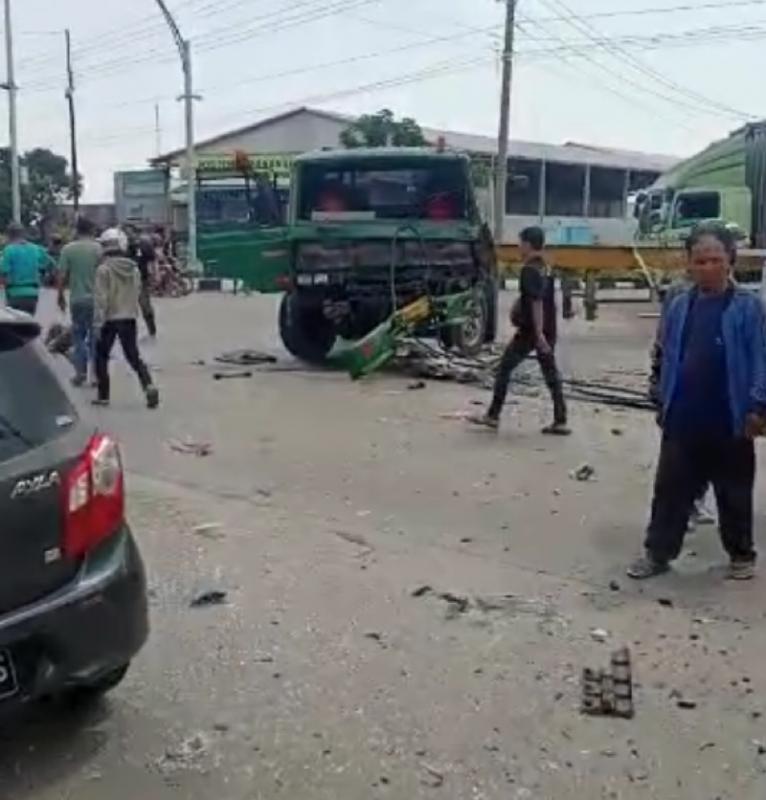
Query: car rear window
34, 409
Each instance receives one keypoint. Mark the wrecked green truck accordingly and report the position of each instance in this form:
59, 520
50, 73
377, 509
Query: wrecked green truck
366, 233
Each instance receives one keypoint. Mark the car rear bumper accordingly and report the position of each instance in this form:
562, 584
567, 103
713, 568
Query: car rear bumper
84, 631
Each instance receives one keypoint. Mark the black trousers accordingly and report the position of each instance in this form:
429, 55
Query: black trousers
126, 331
684, 467
518, 349
26, 304
147, 309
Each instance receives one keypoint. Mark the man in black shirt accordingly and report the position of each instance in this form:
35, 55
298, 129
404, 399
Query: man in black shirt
142, 252
534, 316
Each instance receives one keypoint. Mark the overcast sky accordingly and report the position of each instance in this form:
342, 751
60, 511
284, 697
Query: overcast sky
660, 82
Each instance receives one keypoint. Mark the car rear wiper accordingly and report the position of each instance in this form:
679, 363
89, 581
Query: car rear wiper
14, 431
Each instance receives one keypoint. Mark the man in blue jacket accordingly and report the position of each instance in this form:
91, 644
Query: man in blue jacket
712, 405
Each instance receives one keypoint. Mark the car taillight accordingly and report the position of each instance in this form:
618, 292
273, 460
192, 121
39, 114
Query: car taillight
94, 497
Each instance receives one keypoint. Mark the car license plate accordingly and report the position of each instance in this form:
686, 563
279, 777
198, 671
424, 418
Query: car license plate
8, 683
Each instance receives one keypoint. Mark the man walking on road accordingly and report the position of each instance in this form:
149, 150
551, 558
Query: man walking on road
116, 292
712, 406
20, 270
77, 272
534, 316
142, 251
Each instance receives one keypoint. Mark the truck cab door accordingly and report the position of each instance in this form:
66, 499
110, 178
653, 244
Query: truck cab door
254, 252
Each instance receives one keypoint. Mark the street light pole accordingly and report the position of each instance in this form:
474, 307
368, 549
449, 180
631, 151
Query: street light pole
12, 89
501, 166
184, 49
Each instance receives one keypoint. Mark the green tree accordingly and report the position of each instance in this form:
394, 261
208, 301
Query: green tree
48, 184
381, 130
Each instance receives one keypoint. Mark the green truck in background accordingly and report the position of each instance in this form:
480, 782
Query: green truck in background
360, 234
725, 182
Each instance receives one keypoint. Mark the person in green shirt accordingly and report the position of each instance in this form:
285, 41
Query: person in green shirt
20, 270
77, 271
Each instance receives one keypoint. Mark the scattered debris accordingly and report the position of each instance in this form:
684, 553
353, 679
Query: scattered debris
583, 473
432, 777
609, 692
187, 755
189, 447
466, 540
58, 339
210, 530
354, 538
706, 746
599, 634
614, 586
416, 385
686, 704
665, 601
421, 590
374, 635
617, 431
246, 357
458, 602
223, 376
211, 598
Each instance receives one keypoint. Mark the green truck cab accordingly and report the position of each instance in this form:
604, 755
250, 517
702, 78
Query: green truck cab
725, 182
368, 232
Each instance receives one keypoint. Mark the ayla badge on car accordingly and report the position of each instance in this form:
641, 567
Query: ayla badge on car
36, 484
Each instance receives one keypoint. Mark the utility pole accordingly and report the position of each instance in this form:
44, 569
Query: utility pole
184, 49
501, 166
12, 89
72, 123
157, 130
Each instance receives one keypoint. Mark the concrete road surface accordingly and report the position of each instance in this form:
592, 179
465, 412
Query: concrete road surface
323, 508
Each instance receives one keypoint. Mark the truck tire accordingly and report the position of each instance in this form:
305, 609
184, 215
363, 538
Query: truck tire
468, 338
306, 332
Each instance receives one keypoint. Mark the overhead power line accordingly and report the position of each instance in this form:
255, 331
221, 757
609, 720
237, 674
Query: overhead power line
580, 25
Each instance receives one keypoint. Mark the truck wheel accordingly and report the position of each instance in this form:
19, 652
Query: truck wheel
306, 332
468, 338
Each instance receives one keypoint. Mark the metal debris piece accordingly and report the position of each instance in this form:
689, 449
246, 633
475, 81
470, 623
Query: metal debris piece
224, 376
190, 447
210, 530
433, 777
246, 357
211, 598
609, 693
459, 602
583, 473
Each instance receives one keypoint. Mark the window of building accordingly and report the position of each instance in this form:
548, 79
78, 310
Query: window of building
522, 194
607, 188
564, 187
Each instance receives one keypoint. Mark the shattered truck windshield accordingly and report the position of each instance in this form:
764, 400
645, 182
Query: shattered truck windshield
431, 189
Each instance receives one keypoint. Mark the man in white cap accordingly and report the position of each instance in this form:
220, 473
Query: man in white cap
116, 291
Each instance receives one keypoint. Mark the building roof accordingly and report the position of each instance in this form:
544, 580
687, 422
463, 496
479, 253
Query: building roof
334, 154
568, 153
